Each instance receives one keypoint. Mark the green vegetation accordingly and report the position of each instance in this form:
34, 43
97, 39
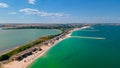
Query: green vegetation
38, 41
62, 27
22, 48
42, 26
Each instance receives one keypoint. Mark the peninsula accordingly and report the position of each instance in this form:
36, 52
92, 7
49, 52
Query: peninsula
29, 53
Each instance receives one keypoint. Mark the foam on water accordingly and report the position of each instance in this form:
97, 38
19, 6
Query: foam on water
90, 30
88, 37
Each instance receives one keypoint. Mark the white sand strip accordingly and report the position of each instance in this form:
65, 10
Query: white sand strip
32, 58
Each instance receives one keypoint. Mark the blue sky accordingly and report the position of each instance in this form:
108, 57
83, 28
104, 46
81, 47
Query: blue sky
59, 11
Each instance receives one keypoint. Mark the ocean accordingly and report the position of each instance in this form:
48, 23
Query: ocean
13, 38
85, 49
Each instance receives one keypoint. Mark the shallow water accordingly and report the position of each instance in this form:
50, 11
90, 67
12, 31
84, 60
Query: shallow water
85, 52
18, 37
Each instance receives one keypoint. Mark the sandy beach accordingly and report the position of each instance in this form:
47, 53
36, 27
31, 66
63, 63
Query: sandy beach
30, 59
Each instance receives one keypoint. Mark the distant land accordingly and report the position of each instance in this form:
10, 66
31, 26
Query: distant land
49, 26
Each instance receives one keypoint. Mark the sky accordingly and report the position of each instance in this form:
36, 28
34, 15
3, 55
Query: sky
59, 11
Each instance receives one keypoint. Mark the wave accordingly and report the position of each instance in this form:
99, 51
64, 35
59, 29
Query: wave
90, 30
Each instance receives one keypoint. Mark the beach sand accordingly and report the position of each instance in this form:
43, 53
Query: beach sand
30, 59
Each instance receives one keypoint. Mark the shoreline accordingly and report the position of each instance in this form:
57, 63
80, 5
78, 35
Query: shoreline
30, 59
6, 50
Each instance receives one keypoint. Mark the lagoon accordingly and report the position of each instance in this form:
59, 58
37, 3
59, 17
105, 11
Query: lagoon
13, 38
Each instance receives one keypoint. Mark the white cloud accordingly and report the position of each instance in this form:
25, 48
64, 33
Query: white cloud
3, 5
37, 12
31, 1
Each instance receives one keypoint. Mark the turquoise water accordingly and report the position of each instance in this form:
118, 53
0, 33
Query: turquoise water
17, 37
85, 52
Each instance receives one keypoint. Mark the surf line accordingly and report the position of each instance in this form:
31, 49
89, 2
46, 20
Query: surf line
88, 37
89, 30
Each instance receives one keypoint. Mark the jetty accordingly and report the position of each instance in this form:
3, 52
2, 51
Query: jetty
99, 38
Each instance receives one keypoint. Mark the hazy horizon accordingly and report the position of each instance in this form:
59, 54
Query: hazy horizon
49, 23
